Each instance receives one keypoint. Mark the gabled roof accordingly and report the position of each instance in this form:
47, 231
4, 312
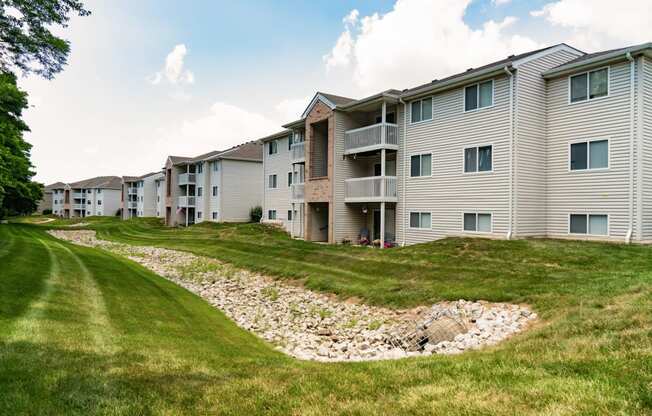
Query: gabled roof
599, 58
250, 151
278, 135
177, 160
484, 70
103, 182
56, 185
141, 177
331, 100
129, 178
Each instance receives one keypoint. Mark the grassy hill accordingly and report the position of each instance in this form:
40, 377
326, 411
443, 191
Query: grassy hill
85, 332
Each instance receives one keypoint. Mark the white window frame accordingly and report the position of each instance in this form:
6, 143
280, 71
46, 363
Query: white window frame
269, 150
588, 214
420, 176
493, 96
269, 211
588, 86
588, 155
432, 110
420, 213
290, 178
268, 181
214, 215
477, 160
490, 213
215, 191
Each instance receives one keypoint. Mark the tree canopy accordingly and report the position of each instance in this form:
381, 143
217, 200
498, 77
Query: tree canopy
27, 43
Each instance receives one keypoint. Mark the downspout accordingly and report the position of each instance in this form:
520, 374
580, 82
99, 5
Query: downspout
632, 68
404, 144
511, 152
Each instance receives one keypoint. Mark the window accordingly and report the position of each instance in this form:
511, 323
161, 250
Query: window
289, 178
271, 214
589, 155
89, 202
272, 181
216, 166
215, 191
421, 165
214, 215
200, 191
289, 215
99, 202
200, 168
199, 214
273, 147
420, 220
290, 141
589, 85
478, 159
158, 198
590, 224
480, 223
99, 191
479, 96
421, 110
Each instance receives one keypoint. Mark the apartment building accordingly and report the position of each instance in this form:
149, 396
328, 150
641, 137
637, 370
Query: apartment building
48, 200
140, 195
219, 186
99, 196
550, 143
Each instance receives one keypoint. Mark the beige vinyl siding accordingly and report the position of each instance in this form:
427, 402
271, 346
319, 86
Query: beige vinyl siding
604, 192
242, 189
160, 197
646, 172
530, 143
149, 204
449, 192
215, 180
278, 199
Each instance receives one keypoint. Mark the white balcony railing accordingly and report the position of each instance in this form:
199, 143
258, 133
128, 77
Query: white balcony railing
132, 205
298, 190
187, 178
80, 207
371, 138
298, 152
371, 189
78, 195
132, 191
186, 201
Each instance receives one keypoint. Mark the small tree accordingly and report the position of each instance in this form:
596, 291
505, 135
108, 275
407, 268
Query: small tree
256, 213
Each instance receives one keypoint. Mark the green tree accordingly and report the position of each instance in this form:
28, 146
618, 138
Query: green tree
26, 45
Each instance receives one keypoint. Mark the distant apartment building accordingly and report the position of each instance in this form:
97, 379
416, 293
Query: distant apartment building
549, 143
140, 195
49, 198
219, 186
99, 196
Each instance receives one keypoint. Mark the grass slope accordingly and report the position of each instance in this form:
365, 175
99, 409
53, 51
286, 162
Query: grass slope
82, 331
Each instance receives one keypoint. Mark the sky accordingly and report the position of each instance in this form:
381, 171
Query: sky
151, 78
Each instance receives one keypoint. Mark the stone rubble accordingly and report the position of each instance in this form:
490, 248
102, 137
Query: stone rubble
314, 326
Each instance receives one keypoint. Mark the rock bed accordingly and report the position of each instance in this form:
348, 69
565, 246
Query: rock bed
314, 326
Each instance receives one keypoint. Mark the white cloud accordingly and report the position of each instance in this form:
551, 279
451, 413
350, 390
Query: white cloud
500, 2
600, 24
290, 109
418, 40
173, 70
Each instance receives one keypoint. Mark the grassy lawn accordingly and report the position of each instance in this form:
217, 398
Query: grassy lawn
82, 331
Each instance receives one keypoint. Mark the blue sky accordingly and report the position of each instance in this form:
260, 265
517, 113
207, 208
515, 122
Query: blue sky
237, 70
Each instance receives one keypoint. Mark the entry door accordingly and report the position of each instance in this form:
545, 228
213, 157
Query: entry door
376, 235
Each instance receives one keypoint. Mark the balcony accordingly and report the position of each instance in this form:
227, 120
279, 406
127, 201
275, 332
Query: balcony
371, 189
79, 207
297, 194
370, 138
187, 178
132, 191
186, 201
78, 195
298, 152
132, 205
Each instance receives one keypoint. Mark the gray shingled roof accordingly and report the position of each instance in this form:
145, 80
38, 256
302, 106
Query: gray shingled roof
104, 182
56, 185
471, 71
602, 56
337, 99
247, 151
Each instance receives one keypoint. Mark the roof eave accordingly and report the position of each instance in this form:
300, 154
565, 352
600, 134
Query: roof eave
645, 49
461, 80
377, 98
294, 124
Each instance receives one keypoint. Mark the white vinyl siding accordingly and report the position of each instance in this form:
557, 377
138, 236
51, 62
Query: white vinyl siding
277, 199
449, 191
646, 154
241, 189
602, 189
